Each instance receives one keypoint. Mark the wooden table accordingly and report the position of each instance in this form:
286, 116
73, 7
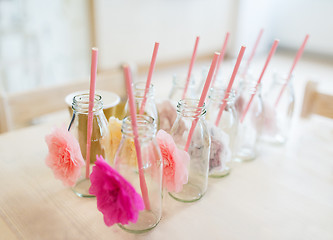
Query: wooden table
286, 193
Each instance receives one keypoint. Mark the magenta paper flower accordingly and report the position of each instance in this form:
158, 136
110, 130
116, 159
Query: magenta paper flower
175, 162
64, 157
116, 197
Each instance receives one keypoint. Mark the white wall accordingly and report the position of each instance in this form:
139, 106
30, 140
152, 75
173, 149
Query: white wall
127, 29
289, 21
251, 17
43, 43
293, 19
48, 42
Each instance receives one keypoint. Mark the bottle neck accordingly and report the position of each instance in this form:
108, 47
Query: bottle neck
189, 108
145, 126
179, 83
81, 103
139, 89
178, 88
250, 88
282, 79
218, 95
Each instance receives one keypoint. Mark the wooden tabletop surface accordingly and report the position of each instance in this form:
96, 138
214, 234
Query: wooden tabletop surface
286, 193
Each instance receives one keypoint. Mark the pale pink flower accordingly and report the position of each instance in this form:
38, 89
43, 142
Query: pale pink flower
167, 114
239, 105
64, 157
175, 161
116, 197
270, 126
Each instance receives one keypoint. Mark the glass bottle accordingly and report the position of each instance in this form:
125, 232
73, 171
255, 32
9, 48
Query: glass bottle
244, 82
152, 167
220, 155
167, 108
150, 108
178, 87
249, 129
199, 148
202, 81
78, 127
278, 118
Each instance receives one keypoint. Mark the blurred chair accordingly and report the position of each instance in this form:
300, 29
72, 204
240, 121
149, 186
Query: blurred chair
315, 102
20, 109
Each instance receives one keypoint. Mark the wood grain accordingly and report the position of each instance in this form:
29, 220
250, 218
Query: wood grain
287, 193
315, 102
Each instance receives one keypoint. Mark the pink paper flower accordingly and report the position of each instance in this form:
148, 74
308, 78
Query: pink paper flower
175, 162
270, 126
116, 197
239, 105
64, 157
167, 115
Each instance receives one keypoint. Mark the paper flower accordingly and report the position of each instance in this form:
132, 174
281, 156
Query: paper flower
64, 157
167, 115
270, 126
239, 105
175, 162
112, 139
130, 152
220, 151
116, 197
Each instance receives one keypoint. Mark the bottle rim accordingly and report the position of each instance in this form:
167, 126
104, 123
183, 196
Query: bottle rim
140, 87
282, 78
180, 81
81, 103
218, 93
188, 107
146, 126
250, 87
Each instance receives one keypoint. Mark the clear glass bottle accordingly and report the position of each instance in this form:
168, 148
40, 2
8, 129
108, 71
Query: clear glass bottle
150, 105
202, 81
78, 127
178, 87
278, 118
220, 155
249, 129
167, 109
152, 167
199, 148
244, 82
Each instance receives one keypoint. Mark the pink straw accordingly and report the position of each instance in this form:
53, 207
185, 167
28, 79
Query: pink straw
231, 82
221, 57
253, 52
191, 66
271, 53
143, 185
202, 97
298, 56
93, 73
150, 73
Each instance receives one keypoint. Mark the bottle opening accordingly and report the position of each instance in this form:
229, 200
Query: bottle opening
81, 103
189, 108
140, 87
282, 78
145, 125
217, 94
180, 81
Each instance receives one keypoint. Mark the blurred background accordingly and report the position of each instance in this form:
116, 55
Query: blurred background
44, 43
